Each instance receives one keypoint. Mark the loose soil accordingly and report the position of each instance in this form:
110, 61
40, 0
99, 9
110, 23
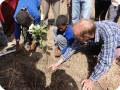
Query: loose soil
26, 71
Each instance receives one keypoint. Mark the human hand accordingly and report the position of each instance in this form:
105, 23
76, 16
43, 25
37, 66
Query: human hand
56, 65
87, 84
53, 67
32, 47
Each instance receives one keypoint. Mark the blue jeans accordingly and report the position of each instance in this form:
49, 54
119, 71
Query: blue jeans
80, 8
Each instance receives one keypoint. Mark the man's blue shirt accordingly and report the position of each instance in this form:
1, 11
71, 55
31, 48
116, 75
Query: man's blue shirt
33, 10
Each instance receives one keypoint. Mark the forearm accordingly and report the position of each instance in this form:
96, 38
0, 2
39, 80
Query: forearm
64, 49
70, 50
68, 54
59, 62
100, 69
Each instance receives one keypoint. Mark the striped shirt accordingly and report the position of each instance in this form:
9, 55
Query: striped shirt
108, 34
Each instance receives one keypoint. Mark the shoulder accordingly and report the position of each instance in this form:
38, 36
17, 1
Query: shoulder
69, 32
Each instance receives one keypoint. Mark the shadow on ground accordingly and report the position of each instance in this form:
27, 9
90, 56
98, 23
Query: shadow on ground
60, 80
91, 51
18, 72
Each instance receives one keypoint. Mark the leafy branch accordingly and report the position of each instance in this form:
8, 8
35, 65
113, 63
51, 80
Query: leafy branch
38, 33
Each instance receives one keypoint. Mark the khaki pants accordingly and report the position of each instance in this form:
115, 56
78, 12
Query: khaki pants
55, 4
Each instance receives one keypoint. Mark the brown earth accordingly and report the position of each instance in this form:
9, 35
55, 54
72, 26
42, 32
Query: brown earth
25, 71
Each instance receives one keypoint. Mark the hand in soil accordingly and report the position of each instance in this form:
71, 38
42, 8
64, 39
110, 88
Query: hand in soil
53, 67
87, 84
32, 47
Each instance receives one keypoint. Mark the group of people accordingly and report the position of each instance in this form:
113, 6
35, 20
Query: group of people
68, 37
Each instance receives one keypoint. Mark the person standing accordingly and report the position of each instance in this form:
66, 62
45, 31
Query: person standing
114, 11
101, 8
55, 4
26, 13
104, 33
80, 9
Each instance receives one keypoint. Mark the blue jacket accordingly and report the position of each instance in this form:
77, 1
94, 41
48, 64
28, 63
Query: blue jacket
33, 7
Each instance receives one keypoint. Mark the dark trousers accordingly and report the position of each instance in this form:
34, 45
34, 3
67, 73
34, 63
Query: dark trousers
101, 8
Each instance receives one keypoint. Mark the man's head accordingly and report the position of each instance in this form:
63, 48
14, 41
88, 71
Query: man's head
23, 18
84, 30
62, 22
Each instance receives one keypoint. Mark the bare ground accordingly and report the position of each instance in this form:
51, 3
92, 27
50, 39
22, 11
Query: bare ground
25, 71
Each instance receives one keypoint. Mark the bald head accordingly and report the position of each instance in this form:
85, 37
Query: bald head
84, 29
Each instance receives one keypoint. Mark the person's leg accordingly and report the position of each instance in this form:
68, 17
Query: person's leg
75, 11
113, 13
70, 13
3, 38
55, 34
105, 5
97, 9
85, 8
46, 7
62, 42
56, 8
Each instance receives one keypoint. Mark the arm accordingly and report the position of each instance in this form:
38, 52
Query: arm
36, 12
105, 61
105, 58
69, 42
38, 4
66, 55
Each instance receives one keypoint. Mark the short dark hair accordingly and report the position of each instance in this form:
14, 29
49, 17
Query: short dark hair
23, 18
62, 20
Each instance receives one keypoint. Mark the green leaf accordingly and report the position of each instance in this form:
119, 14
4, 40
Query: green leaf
31, 31
43, 43
44, 31
36, 41
33, 35
37, 27
40, 41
